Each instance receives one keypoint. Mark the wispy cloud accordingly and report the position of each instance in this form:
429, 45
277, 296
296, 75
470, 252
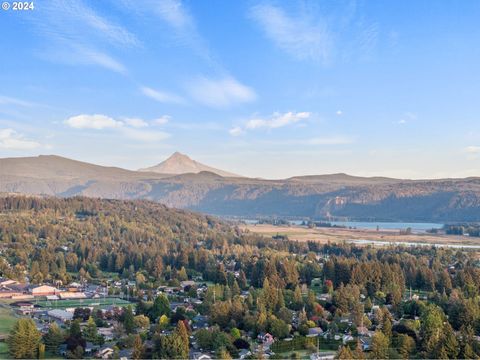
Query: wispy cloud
332, 140
180, 21
80, 35
236, 131
132, 128
220, 92
12, 140
302, 36
276, 120
328, 140
407, 117
174, 13
162, 120
474, 150
162, 96
313, 33
6, 100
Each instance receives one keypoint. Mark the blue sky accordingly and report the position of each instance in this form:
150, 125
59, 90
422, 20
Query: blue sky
262, 88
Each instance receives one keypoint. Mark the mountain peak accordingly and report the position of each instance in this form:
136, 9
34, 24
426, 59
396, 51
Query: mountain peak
179, 155
179, 163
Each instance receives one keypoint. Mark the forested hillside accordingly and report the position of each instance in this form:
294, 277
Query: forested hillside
255, 285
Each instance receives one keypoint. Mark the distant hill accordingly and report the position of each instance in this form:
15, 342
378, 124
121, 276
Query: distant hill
336, 196
179, 163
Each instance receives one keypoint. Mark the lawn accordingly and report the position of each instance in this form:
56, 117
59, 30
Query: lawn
7, 319
4, 351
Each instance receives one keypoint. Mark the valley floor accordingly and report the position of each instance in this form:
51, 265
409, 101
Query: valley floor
324, 235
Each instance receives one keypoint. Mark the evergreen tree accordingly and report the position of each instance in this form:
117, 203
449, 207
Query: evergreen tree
137, 348
53, 338
24, 340
182, 333
161, 306
128, 320
344, 353
90, 331
379, 346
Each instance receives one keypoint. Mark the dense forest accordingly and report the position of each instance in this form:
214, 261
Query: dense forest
259, 284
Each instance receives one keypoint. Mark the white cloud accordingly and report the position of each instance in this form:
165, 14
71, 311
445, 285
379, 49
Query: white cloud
277, 120
236, 131
221, 92
161, 96
174, 13
339, 113
11, 140
132, 128
407, 117
302, 36
333, 140
162, 120
144, 135
472, 150
96, 121
135, 122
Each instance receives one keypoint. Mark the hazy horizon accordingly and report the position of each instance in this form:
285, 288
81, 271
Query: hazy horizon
269, 89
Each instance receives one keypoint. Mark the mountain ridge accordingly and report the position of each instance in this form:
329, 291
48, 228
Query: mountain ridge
319, 196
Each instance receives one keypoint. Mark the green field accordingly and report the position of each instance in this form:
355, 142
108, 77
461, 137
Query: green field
4, 351
7, 319
62, 304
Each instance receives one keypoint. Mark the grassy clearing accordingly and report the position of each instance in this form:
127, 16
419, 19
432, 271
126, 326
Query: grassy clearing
7, 320
4, 351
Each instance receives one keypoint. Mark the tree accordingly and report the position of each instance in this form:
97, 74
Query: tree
379, 346
163, 322
235, 333
128, 320
431, 328
141, 321
344, 353
182, 333
53, 338
41, 351
406, 345
278, 328
24, 340
448, 344
223, 354
137, 348
75, 339
90, 332
161, 306
358, 353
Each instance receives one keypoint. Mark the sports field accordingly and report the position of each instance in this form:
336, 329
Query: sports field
62, 304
